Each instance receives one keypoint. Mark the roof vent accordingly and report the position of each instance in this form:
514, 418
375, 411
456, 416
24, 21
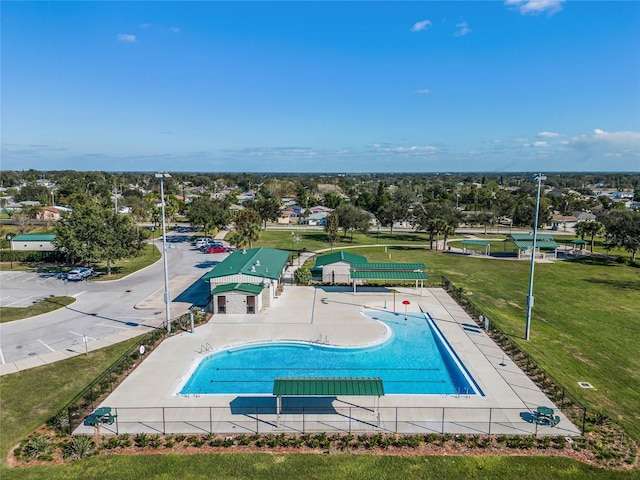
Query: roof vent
253, 268
244, 252
257, 263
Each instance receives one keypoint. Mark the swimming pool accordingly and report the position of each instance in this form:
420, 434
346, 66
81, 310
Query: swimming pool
416, 359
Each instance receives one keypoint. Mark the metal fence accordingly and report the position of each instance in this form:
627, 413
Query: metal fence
551, 387
319, 418
298, 419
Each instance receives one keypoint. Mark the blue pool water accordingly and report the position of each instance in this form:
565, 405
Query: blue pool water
414, 360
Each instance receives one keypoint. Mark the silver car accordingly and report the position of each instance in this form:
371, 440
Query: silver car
79, 274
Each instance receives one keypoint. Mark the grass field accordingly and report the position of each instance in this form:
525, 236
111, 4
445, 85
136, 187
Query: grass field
262, 466
9, 314
585, 321
585, 328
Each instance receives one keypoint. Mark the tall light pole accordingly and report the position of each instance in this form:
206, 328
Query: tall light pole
167, 295
538, 177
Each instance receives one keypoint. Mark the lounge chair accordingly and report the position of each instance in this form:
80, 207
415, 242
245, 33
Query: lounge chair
554, 421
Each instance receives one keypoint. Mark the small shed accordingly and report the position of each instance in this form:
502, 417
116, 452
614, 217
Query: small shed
33, 242
335, 266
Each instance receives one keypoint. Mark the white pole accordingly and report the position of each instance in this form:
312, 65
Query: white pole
540, 177
167, 294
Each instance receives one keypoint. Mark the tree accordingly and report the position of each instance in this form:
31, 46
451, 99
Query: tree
93, 233
302, 276
622, 229
398, 208
352, 219
248, 224
436, 218
209, 214
589, 228
331, 227
267, 207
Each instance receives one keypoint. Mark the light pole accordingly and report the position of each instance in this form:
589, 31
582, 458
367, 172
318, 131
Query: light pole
9, 237
167, 295
539, 177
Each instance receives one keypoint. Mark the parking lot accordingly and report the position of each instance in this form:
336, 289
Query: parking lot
103, 311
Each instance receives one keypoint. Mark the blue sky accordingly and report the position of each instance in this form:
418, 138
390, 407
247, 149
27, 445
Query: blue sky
516, 85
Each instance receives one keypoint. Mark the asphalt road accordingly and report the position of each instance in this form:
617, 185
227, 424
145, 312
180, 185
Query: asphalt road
102, 309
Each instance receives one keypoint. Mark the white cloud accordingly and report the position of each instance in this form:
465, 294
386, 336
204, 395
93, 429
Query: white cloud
423, 25
548, 135
463, 29
126, 37
174, 29
423, 91
539, 144
144, 25
624, 139
535, 7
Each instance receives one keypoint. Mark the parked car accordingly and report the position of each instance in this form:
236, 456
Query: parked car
211, 244
215, 249
201, 242
78, 274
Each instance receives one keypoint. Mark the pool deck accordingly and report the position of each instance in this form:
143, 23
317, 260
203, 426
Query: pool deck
148, 400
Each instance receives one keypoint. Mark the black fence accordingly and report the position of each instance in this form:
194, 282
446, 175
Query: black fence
551, 387
314, 415
73, 414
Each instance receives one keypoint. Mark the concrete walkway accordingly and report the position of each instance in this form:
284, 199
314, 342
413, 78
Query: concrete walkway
149, 400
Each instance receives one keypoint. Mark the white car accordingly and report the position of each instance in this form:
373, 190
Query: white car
201, 242
79, 274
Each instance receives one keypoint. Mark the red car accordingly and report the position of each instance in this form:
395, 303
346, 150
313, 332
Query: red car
215, 250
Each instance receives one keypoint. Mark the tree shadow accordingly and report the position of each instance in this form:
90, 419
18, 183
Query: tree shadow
616, 283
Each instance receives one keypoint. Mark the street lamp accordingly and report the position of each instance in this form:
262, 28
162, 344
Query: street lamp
539, 178
9, 237
167, 295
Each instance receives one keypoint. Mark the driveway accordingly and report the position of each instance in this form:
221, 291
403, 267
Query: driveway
104, 312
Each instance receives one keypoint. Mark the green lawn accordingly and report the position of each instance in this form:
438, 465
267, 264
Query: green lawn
585, 321
261, 466
8, 314
31, 397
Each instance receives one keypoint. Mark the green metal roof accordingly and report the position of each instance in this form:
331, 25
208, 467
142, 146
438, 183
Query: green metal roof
340, 256
257, 262
523, 237
253, 288
34, 237
543, 244
369, 386
580, 242
482, 243
388, 271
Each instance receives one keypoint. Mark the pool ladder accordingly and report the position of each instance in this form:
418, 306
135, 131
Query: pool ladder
205, 348
319, 341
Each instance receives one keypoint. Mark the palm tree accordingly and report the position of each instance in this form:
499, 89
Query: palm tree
590, 228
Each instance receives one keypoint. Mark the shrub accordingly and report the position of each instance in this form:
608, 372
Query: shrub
155, 441
112, 443
141, 440
37, 446
79, 447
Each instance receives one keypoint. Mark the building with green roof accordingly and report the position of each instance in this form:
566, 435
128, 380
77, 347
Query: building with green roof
42, 242
246, 281
335, 266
